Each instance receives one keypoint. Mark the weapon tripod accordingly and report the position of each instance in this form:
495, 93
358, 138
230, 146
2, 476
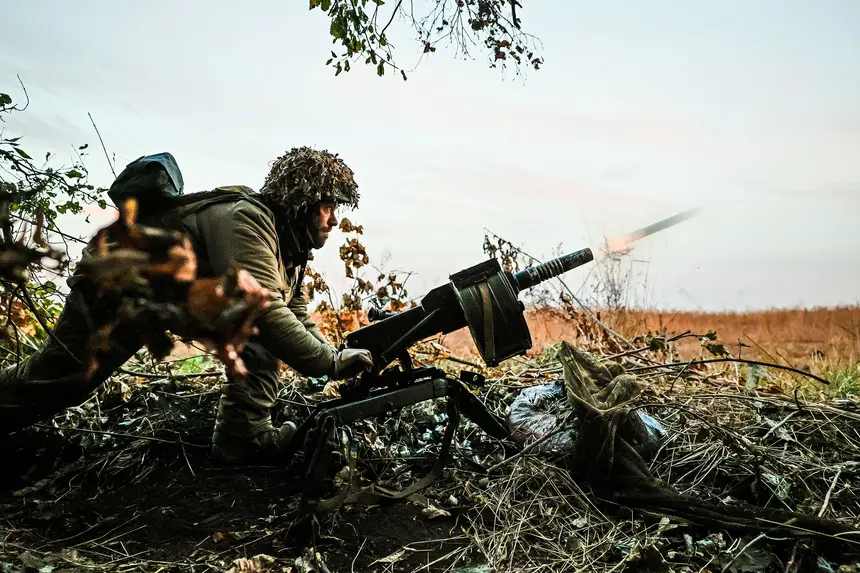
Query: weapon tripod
483, 298
375, 395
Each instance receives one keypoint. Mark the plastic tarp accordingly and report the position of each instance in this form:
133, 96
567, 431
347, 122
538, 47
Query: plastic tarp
538, 411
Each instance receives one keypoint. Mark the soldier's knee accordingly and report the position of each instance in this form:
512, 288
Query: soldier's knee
258, 359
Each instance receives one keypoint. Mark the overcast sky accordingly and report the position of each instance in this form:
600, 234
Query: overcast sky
642, 109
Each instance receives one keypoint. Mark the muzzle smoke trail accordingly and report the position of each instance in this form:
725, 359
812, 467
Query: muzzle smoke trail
621, 242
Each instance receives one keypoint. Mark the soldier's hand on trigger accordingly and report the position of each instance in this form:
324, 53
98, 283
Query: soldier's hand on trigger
351, 361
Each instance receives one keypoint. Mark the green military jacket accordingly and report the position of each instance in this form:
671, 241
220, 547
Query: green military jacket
228, 224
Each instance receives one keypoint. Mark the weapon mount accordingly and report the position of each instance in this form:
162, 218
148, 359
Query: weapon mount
484, 299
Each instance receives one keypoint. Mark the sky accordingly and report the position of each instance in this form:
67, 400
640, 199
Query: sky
749, 111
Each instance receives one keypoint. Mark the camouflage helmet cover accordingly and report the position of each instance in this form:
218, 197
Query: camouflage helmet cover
304, 176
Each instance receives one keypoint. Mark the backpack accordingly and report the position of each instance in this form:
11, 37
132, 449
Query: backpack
154, 180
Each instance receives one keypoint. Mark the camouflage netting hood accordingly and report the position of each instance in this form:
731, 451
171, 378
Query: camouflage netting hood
303, 176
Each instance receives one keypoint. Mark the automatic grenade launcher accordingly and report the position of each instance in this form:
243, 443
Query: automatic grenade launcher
484, 299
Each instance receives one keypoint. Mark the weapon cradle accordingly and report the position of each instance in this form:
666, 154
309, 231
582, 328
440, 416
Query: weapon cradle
405, 388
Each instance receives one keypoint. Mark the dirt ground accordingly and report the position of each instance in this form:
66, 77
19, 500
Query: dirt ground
174, 518
99, 502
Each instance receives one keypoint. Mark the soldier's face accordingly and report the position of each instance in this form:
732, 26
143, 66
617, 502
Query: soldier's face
323, 220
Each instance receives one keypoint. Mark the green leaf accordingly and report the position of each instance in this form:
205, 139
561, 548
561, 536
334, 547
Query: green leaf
74, 174
380, 69
102, 203
325, 5
5, 99
337, 29
23, 153
402, 73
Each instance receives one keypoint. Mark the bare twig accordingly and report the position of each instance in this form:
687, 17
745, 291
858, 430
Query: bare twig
738, 555
110, 164
826, 501
168, 375
739, 360
122, 435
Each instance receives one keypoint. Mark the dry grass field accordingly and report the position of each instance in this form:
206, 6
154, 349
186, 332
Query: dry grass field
823, 341
795, 337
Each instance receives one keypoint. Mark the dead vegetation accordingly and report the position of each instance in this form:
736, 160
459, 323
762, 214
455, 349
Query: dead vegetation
798, 337
125, 482
740, 447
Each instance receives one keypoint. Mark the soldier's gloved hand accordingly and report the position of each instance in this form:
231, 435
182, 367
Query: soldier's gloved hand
350, 362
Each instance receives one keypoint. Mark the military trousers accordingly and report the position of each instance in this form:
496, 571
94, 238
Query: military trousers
54, 377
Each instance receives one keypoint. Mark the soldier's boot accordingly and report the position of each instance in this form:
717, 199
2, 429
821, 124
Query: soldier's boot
267, 447
244, 433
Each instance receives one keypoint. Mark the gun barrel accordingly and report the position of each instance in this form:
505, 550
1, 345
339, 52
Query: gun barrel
531, 276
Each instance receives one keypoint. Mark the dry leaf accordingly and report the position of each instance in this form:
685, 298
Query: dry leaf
331, 389
219, 537
432, 512
393, 558
260, 563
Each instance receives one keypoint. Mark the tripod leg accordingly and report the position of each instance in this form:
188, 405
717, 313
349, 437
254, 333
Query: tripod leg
318, 465
328, 505
477, 412
381, 494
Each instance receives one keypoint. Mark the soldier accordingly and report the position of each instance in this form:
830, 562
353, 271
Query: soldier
271, 234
